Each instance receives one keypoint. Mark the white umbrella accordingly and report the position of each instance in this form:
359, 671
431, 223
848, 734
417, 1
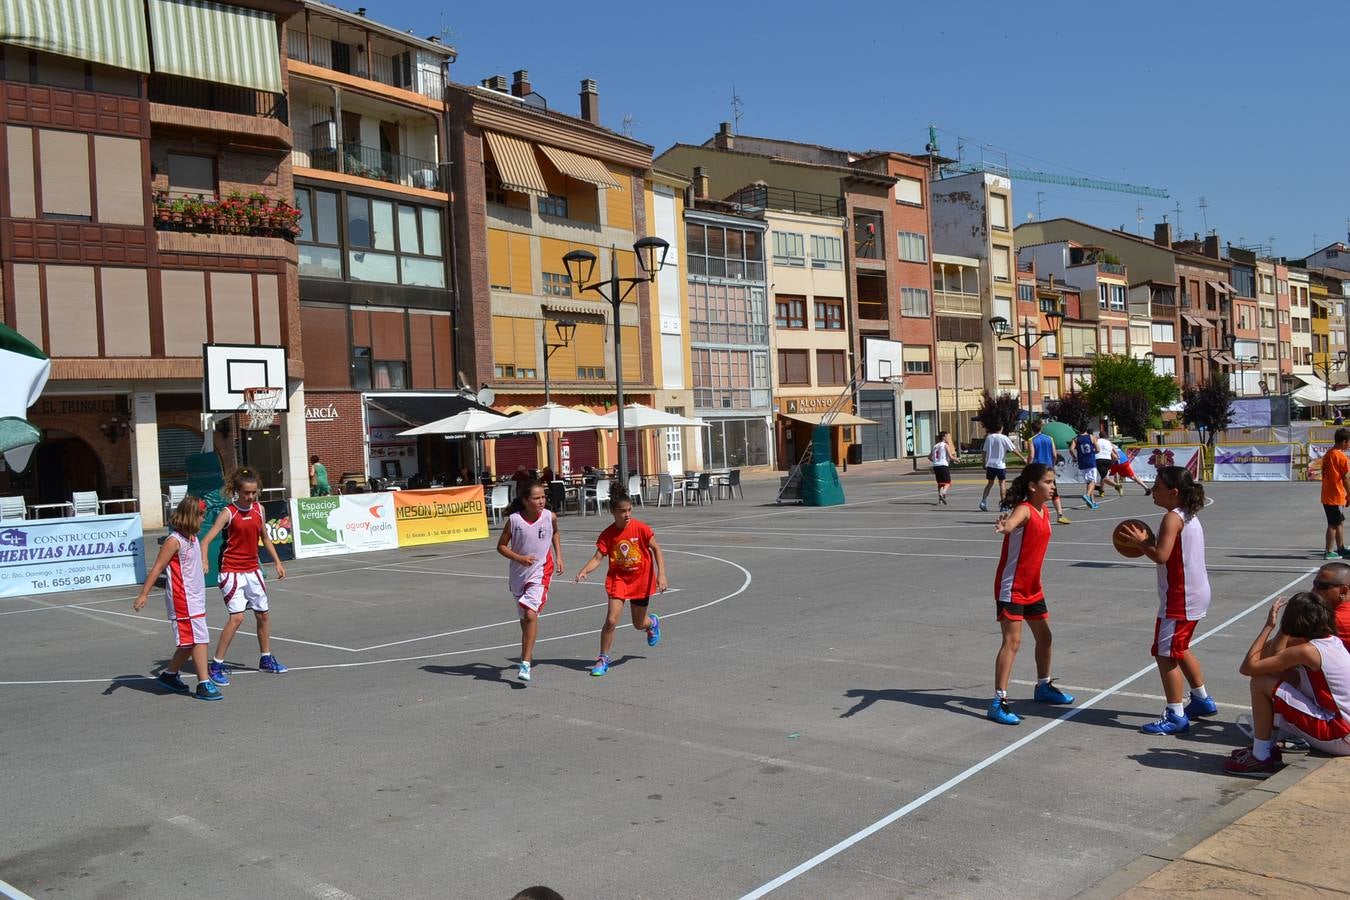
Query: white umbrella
636, 415
552, 417
470, 421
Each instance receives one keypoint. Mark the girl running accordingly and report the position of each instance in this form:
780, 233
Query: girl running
1018, 595
941, 456
1313, 704
1183, 597
531, 542
185, 597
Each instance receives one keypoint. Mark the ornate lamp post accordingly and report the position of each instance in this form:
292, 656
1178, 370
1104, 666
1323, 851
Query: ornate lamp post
1211, 354
1326, 367
1026, 339
566, 330
972, 350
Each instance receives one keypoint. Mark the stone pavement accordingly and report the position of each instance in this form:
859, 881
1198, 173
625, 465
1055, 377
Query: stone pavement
1284, 838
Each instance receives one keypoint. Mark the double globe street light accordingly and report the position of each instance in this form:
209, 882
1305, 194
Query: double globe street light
566, 329
1027, 338
1211, 354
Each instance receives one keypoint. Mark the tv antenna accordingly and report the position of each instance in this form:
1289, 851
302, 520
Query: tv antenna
1204, 212
1177, 223
1040, 199
1139, 218
736, 108
627, 127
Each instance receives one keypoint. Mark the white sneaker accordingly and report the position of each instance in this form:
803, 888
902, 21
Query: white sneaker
524, 674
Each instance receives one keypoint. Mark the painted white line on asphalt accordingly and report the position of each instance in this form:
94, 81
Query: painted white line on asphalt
113, 612
10, 892
988, 761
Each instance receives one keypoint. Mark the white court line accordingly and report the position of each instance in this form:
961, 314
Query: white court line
993, 758
10, 892
113, 612
514, 621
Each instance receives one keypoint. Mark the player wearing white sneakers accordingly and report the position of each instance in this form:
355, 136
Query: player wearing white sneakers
531, 542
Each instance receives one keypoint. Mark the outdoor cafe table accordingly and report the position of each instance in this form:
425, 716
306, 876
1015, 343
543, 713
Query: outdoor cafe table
103, 504
64, 504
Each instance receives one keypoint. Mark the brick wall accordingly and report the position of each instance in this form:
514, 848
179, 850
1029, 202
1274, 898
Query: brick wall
339, 443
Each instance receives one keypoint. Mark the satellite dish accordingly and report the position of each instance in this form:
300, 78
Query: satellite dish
486, 395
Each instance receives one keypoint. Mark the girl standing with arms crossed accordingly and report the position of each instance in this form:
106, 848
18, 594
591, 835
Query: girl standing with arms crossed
531, 542
1183, 597
1018, 595
941, 456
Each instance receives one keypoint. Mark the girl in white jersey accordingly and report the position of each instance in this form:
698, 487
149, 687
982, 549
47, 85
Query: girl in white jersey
531, 542
1183, 597
942, 456
1314, 705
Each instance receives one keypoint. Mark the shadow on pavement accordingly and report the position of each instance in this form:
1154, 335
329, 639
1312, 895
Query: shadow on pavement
584, 665
479, 672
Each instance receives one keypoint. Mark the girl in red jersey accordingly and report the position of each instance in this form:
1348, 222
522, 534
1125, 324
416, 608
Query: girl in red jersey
241, 577
636, 567
1018, 595
185, 597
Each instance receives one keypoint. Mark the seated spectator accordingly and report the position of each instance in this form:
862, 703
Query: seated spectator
1304, 689
1331, 585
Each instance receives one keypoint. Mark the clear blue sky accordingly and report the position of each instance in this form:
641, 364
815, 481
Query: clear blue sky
1244, 103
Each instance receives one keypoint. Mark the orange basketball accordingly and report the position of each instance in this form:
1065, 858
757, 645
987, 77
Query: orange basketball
1123, 544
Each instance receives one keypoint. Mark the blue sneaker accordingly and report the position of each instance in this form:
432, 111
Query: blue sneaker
1091, 504
984, 507
1170, 723
268, 663
1048, 693
601, 665
219, 674
998, 711
171, 681
208, 691
654, 631
1199, 707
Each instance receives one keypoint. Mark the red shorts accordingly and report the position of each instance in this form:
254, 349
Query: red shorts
1122, 470
1017, 612
1172, 637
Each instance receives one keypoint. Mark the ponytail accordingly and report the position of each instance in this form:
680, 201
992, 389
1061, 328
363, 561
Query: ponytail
1019, 490
1190, 493
242, 476
526, 489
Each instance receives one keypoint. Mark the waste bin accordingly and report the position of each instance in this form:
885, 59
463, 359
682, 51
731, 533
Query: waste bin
855, 454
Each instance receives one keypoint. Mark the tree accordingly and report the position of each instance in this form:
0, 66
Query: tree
1071, 409
1209, 407
998, 411
1116, 376
1132, 413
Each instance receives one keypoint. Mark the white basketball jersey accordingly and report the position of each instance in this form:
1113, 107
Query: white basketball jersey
1183, 582
530, 539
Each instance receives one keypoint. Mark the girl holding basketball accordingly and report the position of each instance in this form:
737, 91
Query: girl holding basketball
942, 456
1183, 596
1018, 595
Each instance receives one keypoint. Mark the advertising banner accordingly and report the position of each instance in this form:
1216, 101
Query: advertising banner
44, 557
351, 523
440, 515
1144, 460
1315, 454
278, 516
1253, 462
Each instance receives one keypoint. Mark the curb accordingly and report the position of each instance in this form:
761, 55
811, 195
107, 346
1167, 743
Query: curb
1135, 871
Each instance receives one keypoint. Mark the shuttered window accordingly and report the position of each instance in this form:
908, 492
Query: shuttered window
794, 367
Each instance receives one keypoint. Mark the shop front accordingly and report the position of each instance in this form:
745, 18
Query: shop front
797, 419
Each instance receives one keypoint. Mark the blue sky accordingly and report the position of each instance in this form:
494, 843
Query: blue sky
1243, 103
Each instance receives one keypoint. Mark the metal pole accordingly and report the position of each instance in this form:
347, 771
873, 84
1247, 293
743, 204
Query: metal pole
548, 398
957, 423
1026, 351
615, 299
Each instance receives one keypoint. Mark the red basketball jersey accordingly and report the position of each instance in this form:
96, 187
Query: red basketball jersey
240, 539
1018, 579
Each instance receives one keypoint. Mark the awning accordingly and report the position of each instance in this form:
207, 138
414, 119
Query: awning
217, 43
419, 409
582, 168
1219, 287
516, 165
1196, 320
841, 418
111, 32
585, 312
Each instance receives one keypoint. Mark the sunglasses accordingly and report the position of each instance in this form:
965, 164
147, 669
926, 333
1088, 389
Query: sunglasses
1321, 585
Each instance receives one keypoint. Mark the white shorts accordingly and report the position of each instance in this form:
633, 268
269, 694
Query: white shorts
1089, 475
244, 590
189, 625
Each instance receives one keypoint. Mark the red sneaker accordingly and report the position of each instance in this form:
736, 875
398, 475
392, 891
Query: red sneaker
1244, 762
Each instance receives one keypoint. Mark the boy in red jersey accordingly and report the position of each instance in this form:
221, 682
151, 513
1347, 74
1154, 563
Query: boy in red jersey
241, 577
636, 566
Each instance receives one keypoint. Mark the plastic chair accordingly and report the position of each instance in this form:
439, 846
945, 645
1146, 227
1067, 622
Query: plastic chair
702, 488
501, 499
635, 490
665, 487
597, 495
85, 503
731, 484
175, 496
12, 509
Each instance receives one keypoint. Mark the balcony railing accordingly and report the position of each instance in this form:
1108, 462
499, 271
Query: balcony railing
225, 98
956, 301
730, 398
350, 59
1111, 268
872, 309
367, 162
762, 196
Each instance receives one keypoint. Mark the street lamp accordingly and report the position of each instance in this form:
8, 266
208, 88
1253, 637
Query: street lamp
972, 350
566, 330
651, 256
1210, 354
1325, 367
1027, 338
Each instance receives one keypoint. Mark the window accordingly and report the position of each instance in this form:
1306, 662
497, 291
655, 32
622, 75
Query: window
1118, 297
909, 191
1026, 293
826, 252
319, 250
1118, 340
794, 367
390, 375
590, 373
190, 176
386, 242
1267, 318
789, 248
913, 246
914, 302
360, 368
917, 360
1007, 365
998, 211
1165, 332
1050, 346
999, 264
557, 285
726, 252
728, 313
1267, 284
789, 312
1165, 365
1077, 341
830, 368
1050, 304
829, 314
553, 205
492, 184
1051, 388
869, 238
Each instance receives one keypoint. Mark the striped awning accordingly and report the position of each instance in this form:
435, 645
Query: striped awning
516, 165
582, 168
110, 32
213, 42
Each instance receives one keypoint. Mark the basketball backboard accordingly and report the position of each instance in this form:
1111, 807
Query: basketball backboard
884, 359
228, 369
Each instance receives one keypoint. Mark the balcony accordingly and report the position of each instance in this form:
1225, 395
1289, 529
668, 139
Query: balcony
761, 196
367, 162
228, 109
397, 69
958, 302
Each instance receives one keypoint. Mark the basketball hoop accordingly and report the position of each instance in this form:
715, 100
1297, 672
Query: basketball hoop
260, 405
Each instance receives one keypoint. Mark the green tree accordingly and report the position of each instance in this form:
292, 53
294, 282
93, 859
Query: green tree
1071, 409
995, 411
1132, 413
1122, 376
1208, 406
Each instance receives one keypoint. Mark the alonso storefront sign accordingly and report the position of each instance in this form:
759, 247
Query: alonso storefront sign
440, 515
71, 555
352, 523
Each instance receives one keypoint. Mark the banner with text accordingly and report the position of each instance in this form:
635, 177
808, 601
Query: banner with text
351, 523
440, 515
44, 557
1144, 460
278, 516
1253, 462
1315, 454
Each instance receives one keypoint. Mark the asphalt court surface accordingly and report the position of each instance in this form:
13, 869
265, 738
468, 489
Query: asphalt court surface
811, 724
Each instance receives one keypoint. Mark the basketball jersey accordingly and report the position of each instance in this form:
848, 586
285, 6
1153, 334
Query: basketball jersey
1018, 579
530, 539
1183, 583
940, 455
239, 542
1329, 688
185, 586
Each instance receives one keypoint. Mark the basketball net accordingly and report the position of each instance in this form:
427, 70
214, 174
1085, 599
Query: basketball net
260, 405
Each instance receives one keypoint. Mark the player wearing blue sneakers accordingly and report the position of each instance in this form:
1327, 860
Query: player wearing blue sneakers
1085, 455
636, 568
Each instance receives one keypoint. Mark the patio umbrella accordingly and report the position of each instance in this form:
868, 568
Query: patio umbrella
636, 415
1060, 433
551, 417
25, 369
471, 421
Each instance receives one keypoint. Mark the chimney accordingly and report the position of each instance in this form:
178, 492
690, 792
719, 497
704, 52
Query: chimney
701, 185
1162, 235
724, 140
496, 83
590, 101
520, 83
1212, 246
361, 11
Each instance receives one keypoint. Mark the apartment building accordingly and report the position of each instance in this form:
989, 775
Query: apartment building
959, 314
376, 278
1099, 275
1300, 319
144, 211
